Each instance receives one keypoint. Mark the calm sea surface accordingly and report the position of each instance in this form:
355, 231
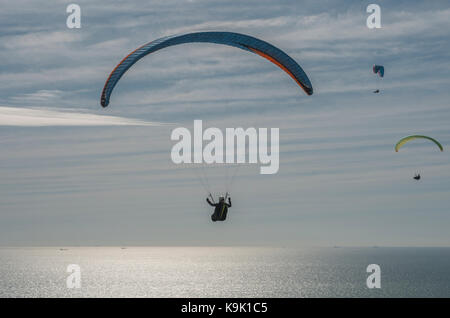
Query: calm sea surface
224, 272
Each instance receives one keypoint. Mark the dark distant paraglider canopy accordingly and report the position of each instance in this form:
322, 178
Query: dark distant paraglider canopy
245, 42
378, 69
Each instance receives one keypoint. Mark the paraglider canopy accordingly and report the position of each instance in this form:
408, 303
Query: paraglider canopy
378, 69
242, 41
409, 138
405, 140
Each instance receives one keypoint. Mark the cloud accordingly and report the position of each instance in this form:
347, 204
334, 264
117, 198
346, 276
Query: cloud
31, 117
235, 24
43, 95
51, 40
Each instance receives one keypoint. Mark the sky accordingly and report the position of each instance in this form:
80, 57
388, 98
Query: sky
73, 173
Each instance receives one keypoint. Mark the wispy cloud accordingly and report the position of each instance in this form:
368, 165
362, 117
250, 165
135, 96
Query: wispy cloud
52, 40
43, 95
277, 22
31, 117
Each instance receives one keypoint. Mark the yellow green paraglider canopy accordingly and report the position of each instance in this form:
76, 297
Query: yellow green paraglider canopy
407, 139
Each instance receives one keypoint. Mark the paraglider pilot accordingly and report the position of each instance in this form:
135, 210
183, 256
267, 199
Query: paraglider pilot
220, 208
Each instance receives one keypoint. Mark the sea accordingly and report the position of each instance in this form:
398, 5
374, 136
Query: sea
228, 272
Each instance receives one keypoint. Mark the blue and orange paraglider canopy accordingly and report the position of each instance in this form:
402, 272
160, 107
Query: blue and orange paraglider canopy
244, 42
